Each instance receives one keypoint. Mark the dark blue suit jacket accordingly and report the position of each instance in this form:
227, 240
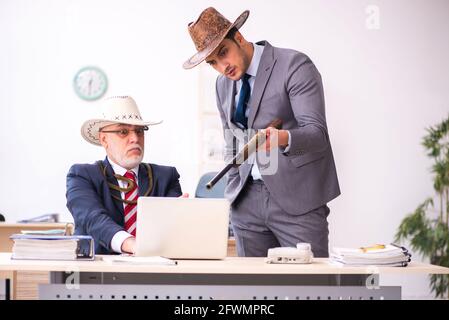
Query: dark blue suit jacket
96, 212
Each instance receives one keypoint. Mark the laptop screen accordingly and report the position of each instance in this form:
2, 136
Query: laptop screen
182, 228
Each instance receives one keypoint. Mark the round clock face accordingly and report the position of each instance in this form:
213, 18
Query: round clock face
90, 83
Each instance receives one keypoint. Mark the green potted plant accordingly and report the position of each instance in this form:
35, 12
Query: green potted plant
427, 227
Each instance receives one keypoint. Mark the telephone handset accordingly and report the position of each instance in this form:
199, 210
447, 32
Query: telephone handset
302, 254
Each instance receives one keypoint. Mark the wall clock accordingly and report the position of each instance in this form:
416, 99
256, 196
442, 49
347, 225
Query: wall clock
90, 83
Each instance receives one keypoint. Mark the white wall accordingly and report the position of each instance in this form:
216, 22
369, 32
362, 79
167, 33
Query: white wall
383, 87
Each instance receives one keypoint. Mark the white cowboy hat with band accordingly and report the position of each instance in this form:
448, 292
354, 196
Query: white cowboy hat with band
116, 109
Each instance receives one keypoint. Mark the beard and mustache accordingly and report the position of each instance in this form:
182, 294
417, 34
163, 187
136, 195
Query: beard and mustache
123, 159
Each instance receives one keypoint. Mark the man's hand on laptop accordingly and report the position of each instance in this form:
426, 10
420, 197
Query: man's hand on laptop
184, 195
129, 245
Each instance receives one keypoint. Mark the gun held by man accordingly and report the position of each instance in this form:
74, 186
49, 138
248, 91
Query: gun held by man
243, 155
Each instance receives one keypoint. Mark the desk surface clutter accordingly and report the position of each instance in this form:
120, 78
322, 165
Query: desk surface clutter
228, 265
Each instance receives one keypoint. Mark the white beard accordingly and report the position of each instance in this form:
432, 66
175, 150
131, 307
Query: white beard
123, 161
130, 162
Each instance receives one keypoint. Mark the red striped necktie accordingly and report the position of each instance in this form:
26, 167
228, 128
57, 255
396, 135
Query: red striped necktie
131, 209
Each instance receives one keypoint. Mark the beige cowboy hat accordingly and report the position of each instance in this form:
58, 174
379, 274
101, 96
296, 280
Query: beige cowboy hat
208, 31
116, 109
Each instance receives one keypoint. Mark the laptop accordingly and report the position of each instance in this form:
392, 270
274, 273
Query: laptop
182, 228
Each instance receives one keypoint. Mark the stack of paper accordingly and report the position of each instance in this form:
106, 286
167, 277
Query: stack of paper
50, 247
386, 256
52, 232
153, 260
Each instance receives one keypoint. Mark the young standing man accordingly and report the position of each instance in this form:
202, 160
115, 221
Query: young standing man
259, 83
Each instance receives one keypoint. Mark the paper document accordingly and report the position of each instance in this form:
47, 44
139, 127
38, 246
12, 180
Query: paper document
52, 247
53, 232
153, 260
390, 255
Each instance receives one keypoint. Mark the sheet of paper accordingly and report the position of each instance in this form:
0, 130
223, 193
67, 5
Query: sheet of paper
153, 260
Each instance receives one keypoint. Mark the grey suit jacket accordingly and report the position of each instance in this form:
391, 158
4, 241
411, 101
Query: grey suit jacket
288, 86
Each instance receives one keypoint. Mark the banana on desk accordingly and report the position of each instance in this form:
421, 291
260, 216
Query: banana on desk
373, 247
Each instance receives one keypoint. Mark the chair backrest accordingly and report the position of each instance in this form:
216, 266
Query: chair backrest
217, 191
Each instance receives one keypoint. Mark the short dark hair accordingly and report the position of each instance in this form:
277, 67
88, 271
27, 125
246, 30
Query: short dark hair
231, 33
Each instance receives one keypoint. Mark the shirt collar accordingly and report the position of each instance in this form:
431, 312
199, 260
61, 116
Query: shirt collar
255, 61
120, 170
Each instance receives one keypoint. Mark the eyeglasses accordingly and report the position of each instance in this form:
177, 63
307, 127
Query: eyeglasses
123, 133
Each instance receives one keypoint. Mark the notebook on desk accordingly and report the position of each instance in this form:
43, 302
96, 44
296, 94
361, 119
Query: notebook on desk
182, 228
52, 247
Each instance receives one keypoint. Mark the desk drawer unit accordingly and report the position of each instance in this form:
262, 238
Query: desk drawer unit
139, 286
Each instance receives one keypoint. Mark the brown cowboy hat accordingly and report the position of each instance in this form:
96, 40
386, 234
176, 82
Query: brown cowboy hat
208, 31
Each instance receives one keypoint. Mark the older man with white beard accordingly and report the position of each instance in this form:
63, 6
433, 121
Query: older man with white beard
102, 196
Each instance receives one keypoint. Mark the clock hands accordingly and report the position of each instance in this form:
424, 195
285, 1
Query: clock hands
90, 85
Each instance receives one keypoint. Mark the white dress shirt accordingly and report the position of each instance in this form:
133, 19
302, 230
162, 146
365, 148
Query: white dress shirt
121, 236
252, 71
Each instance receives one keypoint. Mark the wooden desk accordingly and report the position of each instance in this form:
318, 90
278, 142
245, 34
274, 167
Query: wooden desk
7, 229
239, 278
232, 250
24, 284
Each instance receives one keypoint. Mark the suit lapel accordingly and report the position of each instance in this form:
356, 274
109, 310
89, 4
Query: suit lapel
111, 179
231, 89
143, 180
267, 62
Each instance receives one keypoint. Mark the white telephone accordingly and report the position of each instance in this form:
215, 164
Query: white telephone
300, 255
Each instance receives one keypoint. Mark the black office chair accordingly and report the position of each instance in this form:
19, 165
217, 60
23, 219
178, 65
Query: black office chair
216, 192
2, 218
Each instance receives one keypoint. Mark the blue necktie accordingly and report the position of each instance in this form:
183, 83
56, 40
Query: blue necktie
240, 112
